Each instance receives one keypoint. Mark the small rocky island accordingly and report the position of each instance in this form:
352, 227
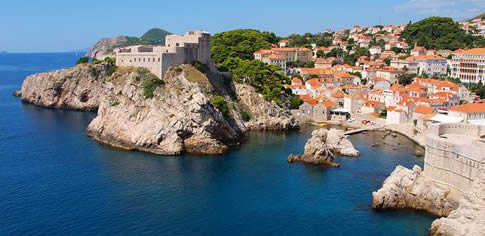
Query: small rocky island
323, 145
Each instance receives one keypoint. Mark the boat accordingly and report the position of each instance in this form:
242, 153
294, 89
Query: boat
321, 124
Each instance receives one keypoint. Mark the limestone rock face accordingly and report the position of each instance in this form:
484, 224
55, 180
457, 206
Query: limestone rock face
178, 118
339, 144
264, 115
78, 88
469, 218
101, 49
316, 151
321, 147
411, 189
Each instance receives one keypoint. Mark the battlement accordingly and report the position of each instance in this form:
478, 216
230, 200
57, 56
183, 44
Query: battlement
454, 153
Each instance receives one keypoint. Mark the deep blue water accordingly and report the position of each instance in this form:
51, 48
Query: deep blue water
55, 180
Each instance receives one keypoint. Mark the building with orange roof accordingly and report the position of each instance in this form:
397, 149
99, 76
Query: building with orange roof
471, 112
410, 66
284, 42
323, 63
418, 51
469, 65
380, 83
390, 73
422, 110
430, 64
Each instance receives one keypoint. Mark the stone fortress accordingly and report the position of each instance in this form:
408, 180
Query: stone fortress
179, 49
454, 153
452, 185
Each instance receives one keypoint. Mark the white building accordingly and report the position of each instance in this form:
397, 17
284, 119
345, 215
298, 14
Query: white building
469, 65
431, 64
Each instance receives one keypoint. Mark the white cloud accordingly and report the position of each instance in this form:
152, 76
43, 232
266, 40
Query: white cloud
454, 8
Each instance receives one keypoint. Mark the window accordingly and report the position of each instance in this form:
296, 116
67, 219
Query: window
159, 59
143, 59
148, 59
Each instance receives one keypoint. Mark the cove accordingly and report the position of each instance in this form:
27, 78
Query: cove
55, 180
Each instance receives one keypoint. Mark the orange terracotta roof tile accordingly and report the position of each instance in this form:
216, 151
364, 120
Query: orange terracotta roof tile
421, 109
469, 108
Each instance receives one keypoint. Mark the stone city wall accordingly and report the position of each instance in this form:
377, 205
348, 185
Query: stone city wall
449, 161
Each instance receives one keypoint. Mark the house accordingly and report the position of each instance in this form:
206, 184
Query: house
410, 67
470, 113
352, 103
418, 51
284, 43
422, 110
381, 83
430, 64
375, 50
323, 63
396, 116
370, 106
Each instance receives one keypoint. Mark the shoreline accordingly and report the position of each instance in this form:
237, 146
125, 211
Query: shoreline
403, 130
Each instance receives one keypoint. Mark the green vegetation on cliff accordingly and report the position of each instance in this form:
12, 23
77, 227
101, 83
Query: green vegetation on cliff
240, 43
150, 81
233, 51
440, 33
220, 104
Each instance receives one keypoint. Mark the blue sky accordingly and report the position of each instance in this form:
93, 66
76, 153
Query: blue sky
64, 25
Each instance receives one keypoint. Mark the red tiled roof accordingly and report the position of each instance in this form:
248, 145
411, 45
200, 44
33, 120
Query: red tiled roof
421, 109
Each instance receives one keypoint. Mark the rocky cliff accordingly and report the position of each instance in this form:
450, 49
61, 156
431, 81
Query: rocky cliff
469, 218
264, 115
79, 87
321, 147
411, 189
104, 46
178, 118
137, 112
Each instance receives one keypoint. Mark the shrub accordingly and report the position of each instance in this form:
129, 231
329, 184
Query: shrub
110, 70
82, 60
295, 102
245, 115
220, 104
93, 71
150, 83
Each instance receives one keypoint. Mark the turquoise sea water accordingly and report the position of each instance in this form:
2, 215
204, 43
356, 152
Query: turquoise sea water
56, 181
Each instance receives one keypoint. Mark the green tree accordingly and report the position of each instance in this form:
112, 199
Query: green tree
320, 54
240, 43
295, 102
387, 60
406, 79
440, 33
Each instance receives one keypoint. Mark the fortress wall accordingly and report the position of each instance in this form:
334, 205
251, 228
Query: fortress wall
450, 162
151, 61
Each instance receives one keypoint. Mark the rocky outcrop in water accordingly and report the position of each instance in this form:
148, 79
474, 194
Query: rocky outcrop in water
103, 48
264, 115
469, 218
78, 88
178, 118
321, 147
339, 144
411, 189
